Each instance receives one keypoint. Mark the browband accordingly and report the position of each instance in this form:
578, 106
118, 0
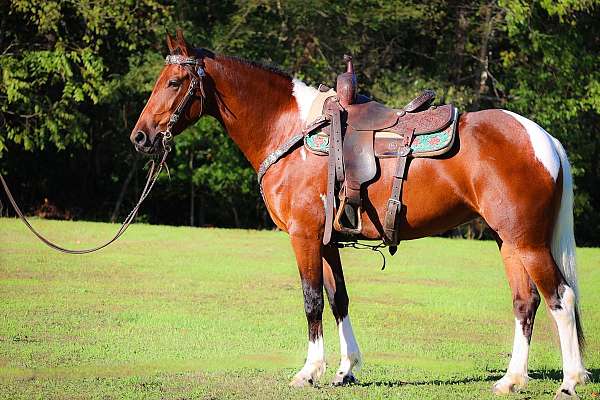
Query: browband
183, 60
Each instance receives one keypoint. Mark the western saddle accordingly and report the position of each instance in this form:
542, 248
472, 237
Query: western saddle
353, 123
358, 130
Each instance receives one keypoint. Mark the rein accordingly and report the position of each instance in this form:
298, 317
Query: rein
196, 84
152, 177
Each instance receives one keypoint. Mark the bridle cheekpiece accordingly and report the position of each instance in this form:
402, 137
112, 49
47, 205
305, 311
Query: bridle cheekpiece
195, 69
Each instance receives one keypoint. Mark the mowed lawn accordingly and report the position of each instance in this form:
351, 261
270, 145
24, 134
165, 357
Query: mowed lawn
182, 313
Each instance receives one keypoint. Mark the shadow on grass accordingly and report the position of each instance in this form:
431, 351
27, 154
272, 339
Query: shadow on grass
557, 375
552, 374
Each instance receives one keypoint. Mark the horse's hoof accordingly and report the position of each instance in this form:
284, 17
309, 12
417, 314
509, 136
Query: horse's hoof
566, 394
502, 388
301, 381
510, 383
343, 380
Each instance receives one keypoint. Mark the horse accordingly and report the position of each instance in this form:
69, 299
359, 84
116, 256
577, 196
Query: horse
503, 168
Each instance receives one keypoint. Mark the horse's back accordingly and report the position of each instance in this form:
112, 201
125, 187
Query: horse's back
494, 170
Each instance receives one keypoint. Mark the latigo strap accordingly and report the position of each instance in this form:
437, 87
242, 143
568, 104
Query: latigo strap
395, 203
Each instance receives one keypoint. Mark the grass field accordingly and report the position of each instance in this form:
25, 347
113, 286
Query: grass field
180, 313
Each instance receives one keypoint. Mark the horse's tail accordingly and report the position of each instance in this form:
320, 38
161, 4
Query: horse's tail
563, 238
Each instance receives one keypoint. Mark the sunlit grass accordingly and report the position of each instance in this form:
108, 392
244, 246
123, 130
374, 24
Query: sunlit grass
211, 313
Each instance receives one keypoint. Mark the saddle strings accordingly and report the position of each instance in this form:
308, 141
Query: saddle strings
363, 246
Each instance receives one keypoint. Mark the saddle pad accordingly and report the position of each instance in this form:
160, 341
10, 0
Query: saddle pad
388, 143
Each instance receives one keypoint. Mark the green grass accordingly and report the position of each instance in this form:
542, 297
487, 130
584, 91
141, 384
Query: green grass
180, 313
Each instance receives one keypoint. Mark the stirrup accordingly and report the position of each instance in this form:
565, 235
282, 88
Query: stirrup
338, 225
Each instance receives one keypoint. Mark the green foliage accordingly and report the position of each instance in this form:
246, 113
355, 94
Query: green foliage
74, 77
60, 58
554, 79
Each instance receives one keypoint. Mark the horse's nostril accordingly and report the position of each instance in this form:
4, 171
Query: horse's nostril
140, 138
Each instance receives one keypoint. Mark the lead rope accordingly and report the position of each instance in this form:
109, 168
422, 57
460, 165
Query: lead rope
152, 177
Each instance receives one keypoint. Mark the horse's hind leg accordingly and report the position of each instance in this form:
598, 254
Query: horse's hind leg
526, 300
338, 300
561, 301
310, 265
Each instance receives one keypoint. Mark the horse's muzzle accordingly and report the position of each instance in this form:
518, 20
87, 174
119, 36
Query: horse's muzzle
144, 144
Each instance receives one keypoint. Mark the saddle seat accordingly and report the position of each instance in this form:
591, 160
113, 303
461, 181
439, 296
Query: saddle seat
374, 116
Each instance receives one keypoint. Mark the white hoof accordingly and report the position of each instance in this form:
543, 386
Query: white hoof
567, 388
309, 375
566, 394
344, 375
510, 383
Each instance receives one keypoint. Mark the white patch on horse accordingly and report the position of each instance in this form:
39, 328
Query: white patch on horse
573, 370
516, 375
323, 197
303, 153
349, 352
305, 95
542, 143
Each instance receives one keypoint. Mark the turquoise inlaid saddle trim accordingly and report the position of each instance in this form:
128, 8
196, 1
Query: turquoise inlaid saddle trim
428, 145
432, 142
317, 141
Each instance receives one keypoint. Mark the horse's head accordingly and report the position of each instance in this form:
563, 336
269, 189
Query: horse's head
177, 99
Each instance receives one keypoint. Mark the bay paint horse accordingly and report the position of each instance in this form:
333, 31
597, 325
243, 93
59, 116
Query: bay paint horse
504, 168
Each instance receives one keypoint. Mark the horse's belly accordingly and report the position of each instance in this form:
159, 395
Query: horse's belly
434, 199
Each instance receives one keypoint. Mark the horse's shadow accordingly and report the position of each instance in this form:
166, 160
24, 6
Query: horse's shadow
492, 376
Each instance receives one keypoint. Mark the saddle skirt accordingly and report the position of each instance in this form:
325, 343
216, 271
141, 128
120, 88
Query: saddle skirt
388, 143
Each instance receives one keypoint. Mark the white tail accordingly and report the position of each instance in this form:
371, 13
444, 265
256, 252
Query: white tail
563, 237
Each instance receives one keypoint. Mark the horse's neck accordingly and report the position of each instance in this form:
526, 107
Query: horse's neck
260, 109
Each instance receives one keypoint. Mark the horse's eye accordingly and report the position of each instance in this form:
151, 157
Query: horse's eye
174, 83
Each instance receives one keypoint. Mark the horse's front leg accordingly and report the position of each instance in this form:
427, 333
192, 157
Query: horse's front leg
310, 266
335, 287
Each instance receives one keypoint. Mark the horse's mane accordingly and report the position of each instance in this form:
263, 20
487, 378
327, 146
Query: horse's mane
253, 64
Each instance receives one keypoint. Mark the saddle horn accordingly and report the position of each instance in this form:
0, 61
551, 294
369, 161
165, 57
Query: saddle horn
346, 83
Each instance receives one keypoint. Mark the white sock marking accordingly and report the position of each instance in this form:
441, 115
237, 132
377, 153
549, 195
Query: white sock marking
349, 351
314, 366
520, 353
542, 143
316, 350
305, 95
516, 374
573, 370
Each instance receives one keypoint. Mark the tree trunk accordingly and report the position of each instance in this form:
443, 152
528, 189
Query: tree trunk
459, 48
192, 188
486, 31
115, 213
236, 217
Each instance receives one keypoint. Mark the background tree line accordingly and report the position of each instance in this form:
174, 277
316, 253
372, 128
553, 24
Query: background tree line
75, 76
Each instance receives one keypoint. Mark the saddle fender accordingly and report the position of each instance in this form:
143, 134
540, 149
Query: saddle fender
359, 162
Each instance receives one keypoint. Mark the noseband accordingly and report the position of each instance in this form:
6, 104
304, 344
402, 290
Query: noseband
195, 69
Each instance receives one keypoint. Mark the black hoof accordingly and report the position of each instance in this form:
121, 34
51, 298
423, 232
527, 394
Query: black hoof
347, 380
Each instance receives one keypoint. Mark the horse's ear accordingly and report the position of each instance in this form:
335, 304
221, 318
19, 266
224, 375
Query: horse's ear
181, 43
180, 38
171, 43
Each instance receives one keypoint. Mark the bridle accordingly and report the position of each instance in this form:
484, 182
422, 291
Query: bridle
195, 69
